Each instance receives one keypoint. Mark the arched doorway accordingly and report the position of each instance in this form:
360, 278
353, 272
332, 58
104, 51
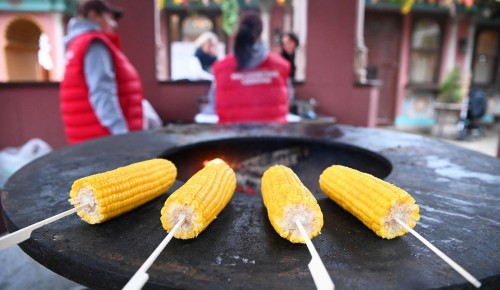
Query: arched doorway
22, 37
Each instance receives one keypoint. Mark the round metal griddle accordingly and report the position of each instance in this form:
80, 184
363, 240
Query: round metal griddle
458, 192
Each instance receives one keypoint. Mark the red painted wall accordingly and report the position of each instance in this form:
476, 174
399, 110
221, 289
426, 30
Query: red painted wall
33, 111
30, 111
329, 71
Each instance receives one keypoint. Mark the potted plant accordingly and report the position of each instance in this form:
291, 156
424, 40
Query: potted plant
451, 88
448, 106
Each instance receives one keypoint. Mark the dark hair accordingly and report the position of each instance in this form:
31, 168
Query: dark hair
249, 31
293, 37
99, 6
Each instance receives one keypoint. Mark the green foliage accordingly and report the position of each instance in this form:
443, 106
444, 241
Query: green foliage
230, 15
451, 88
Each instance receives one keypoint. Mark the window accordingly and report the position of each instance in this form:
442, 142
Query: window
486, 58
27, 51
184, 27
425, 52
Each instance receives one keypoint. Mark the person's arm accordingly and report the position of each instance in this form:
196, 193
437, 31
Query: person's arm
101, 81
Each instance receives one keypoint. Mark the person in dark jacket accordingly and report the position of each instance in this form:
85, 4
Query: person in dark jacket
289, 44
101, 92
251, 84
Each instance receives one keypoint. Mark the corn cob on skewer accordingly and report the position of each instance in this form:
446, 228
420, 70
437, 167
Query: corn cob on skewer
373, 201
112, 193
287, 199
199, 200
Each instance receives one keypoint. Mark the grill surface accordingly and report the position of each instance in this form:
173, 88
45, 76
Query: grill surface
458, 192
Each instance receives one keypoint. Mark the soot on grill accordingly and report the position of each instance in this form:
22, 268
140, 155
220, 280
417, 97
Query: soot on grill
250, 157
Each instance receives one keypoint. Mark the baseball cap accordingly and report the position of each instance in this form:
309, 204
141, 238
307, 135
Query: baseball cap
98, 6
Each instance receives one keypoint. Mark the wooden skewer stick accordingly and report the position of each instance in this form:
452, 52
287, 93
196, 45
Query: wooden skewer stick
141, 277
318, 271
25, 233
442, 255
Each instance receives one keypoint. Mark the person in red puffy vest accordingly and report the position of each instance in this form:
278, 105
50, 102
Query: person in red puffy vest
101, 92
251, 84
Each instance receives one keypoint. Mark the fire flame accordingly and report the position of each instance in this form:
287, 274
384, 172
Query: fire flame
213, 161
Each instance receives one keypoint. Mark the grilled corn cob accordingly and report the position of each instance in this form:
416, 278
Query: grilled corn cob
112, 193
199, 200
373, 201
287, 199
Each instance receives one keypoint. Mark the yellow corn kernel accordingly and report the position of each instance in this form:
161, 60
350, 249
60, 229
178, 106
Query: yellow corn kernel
373, 201
199, 200
112, 193
287, 199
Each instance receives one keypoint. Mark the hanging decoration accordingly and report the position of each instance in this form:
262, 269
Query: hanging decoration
406, 5
230, 15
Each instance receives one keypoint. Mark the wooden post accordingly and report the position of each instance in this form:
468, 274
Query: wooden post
360, 50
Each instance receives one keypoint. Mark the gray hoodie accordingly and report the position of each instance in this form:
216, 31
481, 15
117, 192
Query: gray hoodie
100, 77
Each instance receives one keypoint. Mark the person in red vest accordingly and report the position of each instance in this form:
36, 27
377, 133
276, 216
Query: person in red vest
101, 92
251, 84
